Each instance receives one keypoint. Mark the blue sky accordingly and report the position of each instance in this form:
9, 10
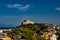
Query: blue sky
42, 11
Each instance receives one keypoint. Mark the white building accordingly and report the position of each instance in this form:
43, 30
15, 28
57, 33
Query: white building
28, 22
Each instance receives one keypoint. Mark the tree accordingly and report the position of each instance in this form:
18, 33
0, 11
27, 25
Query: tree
28, 33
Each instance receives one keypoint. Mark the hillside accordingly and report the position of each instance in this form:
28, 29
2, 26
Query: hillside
29, 30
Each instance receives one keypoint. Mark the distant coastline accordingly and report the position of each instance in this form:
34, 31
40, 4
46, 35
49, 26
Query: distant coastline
7, 27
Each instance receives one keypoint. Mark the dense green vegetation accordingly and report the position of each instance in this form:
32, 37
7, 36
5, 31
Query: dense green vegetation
29, 30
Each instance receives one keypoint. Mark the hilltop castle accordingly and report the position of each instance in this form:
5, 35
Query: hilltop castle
28, 22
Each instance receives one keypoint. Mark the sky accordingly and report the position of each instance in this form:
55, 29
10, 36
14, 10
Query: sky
41, 11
